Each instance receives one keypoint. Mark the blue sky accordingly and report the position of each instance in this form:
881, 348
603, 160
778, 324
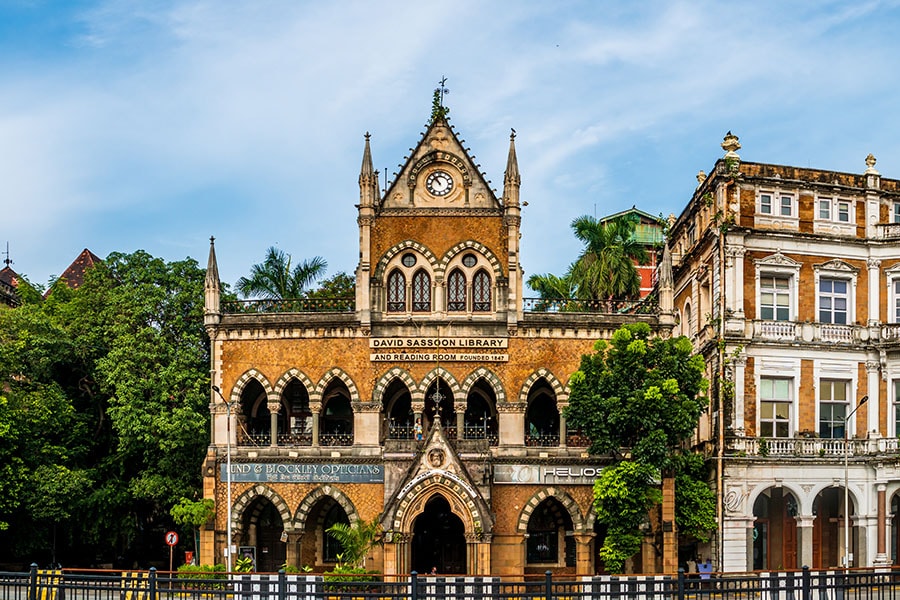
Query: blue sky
152, 124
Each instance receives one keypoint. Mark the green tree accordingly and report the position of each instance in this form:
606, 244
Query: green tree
194, 514
276, 279
606, 267
553, 290
639, 398
356, 540
105, 416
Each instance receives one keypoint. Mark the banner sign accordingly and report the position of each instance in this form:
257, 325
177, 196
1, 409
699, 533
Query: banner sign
432, 343
570, 474
304, 473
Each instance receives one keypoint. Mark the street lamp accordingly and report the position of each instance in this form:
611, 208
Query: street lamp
227, 472
847, 556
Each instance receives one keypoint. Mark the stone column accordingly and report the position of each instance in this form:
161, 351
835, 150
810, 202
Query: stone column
583, 554
873, 317
274, 407
805, 536
562, 432
460, 409
737, 418
873, 368
292, 557
670, 535
315, 408
512, 423
881, 557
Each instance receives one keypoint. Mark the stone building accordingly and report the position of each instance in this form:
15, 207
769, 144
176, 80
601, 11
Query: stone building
797, 271
331, 397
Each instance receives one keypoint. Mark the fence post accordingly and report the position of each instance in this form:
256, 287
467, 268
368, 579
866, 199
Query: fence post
807, 583
152, 584
548, 585
680, 583
282, 585
415, 586
32, 582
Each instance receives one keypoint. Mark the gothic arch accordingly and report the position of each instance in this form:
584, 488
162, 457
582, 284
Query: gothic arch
563, 497
562, 394
293, 374
448, 379
317, 494
396, 249
244, 500
386, 379
335, 373
458, 493
480, 248
244, 379
490, 377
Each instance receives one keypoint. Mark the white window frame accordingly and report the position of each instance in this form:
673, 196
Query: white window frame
833, 382
777, 208
894, 431
778, 265
895, 215
835, 215
779, 367
838, 269
892, 276
791, 401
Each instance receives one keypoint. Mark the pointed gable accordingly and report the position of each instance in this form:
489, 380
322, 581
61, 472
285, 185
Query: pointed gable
9, 283
73, 276
440, 173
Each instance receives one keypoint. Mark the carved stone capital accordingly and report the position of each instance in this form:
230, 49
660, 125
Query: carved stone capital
511, 407
873, 263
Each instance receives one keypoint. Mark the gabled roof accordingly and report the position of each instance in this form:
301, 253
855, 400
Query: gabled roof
633, 211
440, 144
74, 274
9, 282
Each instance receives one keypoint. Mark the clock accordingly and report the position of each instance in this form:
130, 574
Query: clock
439, 183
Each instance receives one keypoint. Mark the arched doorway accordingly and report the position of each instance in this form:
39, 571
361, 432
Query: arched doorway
397, 402
254, 422
318, 549
895, 529
775, 530
439, 540
262, 528
550, 543
828, 528
542, 416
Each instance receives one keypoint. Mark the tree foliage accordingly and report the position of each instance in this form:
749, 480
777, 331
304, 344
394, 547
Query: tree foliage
606, 267
275, 278
356, 540
639, 398
104, 418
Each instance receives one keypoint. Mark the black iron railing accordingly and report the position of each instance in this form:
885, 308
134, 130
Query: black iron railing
291, 305
867, 584
645, 306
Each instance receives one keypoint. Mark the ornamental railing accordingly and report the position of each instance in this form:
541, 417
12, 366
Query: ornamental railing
811, 447
343, 304
645, 306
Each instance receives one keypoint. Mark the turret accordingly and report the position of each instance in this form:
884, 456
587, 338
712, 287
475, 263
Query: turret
368, 199
513, 217
212, 312
666, 286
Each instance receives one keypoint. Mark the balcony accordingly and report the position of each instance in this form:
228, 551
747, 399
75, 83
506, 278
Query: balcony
888, 231
810, 447
792, 331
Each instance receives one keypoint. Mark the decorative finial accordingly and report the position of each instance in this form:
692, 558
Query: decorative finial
730, 145
512, 135
870, 164
212, 240
438, 110
701, 177
7, 260
368, 136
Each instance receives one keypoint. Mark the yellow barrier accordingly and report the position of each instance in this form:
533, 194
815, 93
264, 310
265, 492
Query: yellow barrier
48, 582
135, 585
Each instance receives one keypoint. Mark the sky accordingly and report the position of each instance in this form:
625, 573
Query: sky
155, 124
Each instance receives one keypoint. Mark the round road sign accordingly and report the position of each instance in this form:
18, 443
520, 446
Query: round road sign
171, 538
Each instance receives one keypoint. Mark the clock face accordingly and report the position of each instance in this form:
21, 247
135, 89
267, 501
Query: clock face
439, 183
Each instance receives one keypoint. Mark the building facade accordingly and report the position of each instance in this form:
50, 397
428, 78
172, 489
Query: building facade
788, 280
432, 400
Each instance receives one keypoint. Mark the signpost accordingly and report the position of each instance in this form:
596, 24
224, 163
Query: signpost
171, 540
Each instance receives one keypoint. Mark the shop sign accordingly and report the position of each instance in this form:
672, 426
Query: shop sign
542, 474
304, 473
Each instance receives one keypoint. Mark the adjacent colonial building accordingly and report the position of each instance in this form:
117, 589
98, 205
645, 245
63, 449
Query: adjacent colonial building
788, 280
431, 400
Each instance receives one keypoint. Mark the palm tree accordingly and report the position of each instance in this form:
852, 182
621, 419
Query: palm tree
356, 540
606, 268
553, 290
274, 279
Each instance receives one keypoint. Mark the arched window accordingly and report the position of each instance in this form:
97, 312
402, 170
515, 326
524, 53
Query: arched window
456, 291
396, 292
421, 291
481, 292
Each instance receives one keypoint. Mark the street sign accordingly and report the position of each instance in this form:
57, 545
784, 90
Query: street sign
171, 538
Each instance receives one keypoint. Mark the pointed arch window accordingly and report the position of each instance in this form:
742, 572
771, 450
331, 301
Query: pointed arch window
456, 291
421, 291
481, 292
396, 292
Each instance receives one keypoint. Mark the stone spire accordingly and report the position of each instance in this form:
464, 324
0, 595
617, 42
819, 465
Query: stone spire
368, 178
211, 289
511, 178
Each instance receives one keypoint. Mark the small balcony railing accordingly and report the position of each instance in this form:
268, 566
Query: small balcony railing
290, 305
478, 432
645, 306
295, 439
335, 439
888, 231
811, 447
542, 440
807, 332
254, 438
401, 432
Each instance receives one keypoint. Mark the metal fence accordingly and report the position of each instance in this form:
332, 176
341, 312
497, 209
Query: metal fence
867, 584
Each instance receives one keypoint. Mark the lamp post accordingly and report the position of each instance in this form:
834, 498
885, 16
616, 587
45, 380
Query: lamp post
847, 555
227, 473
